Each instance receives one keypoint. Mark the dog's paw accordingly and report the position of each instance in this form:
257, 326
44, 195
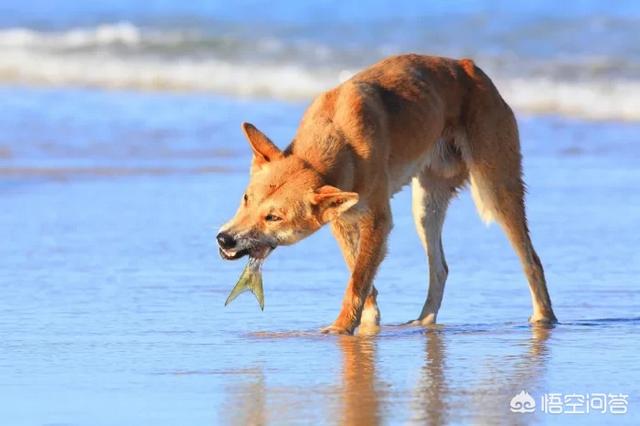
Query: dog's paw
428, 320
334, 329
543, 319
368, 329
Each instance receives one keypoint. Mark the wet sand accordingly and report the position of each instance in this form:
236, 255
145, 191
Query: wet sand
113, 291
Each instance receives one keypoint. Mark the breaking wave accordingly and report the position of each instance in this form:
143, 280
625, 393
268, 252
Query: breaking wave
123, 55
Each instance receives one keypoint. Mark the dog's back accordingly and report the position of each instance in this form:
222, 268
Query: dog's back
409, 112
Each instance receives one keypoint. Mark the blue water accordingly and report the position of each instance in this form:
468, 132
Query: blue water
581, 59
121, 155
113, 290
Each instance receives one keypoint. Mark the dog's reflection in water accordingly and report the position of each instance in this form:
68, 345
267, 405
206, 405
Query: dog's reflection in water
451, 386
478, 390
360, 399
431, 390
446, 389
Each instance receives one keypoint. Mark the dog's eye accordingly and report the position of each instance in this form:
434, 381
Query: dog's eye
245, 198
272, 218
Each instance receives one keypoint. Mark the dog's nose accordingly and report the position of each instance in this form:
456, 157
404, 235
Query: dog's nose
225, 240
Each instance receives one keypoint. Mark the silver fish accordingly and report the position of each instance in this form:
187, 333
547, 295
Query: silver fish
250, 280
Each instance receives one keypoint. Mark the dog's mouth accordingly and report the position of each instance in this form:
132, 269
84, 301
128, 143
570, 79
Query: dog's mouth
256, 253
233, 255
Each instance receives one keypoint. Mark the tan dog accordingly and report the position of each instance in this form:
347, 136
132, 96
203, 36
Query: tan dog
435, 122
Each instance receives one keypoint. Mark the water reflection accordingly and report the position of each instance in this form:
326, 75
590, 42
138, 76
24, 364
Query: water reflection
247, 401
467, 375
360, 392
432, 392
478, 388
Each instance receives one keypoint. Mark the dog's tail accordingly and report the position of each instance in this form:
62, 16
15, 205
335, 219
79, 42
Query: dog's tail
493, 152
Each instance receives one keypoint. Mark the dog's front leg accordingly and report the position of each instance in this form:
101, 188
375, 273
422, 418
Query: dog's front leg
373, 229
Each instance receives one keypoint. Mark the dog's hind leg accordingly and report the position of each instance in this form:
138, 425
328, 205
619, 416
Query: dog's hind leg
431, 196
504, 202
494, 162
370, 319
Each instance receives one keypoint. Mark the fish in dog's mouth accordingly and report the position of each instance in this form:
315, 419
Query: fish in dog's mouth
255, 253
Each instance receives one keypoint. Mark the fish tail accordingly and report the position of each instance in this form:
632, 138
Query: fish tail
258, 291
250, 280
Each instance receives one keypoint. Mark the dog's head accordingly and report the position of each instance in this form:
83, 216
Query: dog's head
286, 201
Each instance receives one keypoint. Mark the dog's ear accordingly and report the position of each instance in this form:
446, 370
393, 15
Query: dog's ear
263, 149
331, 202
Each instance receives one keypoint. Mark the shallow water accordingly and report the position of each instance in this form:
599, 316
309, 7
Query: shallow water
113, 291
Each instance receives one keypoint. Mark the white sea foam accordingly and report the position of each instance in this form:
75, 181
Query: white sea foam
121, 33
101, 70
595, 99
90, 57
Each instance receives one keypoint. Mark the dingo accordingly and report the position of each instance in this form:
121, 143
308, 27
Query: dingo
435, 122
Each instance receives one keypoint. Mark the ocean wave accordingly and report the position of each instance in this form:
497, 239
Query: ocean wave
596, 99
93, 57
211, 75
104, 35
121, 33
